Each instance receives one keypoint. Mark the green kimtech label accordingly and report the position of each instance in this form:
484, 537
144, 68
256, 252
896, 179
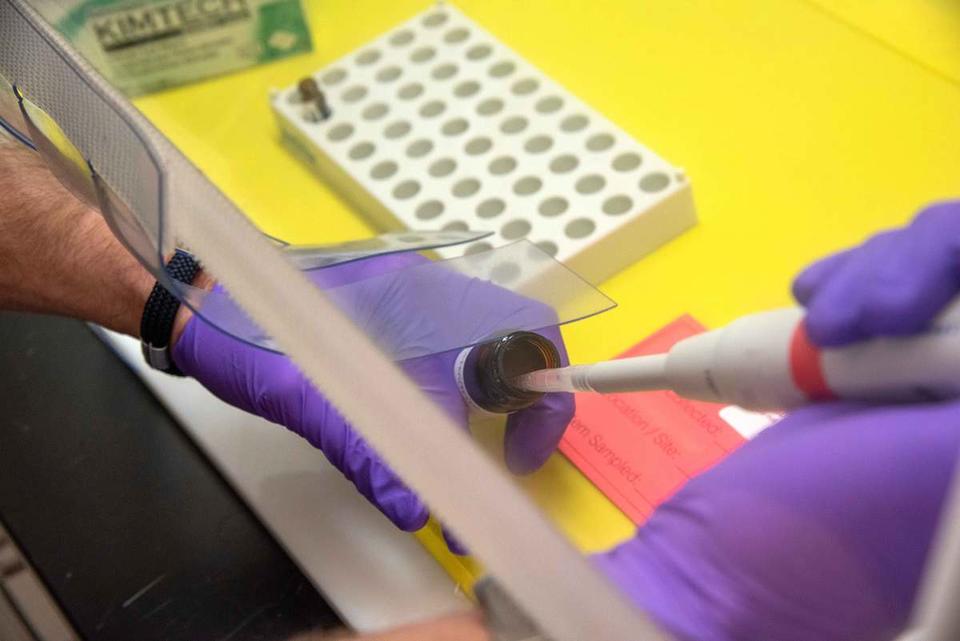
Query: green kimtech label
137, 26
147, 45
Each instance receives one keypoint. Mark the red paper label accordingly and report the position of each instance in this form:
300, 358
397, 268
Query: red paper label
640, 448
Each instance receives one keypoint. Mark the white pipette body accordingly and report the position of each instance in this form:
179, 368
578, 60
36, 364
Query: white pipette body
765, 362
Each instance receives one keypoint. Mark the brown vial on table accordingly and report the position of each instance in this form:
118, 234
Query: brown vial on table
489, 369
311, 94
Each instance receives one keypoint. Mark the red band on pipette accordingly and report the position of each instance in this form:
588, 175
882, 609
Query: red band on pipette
806, 366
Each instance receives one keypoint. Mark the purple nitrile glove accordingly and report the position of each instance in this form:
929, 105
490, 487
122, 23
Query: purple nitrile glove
269, 385
817, 530
893, 284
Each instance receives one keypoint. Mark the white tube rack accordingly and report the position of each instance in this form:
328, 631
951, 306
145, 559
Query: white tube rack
438, 125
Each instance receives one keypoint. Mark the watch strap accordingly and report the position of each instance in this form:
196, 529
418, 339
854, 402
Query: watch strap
160, 312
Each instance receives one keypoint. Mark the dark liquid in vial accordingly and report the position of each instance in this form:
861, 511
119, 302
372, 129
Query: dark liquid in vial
491, 368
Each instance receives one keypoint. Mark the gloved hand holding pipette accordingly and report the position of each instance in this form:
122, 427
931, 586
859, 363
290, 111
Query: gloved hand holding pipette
818, 528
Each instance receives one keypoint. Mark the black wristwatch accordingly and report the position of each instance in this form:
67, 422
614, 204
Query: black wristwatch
156, 324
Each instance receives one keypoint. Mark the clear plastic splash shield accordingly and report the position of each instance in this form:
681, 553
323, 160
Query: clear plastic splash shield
413, 308
326, 255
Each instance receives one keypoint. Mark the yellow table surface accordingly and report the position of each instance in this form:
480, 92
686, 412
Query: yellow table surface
804, 126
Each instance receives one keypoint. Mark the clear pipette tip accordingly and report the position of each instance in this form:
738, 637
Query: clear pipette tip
561, 379
636, 374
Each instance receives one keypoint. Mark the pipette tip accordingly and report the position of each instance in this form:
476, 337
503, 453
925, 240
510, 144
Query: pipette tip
560, 379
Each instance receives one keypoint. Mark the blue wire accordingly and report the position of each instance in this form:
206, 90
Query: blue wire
10, 129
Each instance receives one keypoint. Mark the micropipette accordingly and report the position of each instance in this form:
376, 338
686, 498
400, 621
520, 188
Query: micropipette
766, 361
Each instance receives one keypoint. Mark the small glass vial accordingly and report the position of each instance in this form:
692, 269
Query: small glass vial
485, 372
310, 93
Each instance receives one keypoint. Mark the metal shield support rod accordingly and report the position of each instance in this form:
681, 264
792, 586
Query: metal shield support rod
540, 569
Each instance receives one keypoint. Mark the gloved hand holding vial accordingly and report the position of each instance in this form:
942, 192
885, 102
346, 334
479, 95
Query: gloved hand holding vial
267, 384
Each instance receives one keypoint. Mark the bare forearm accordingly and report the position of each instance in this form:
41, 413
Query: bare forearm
57, 254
